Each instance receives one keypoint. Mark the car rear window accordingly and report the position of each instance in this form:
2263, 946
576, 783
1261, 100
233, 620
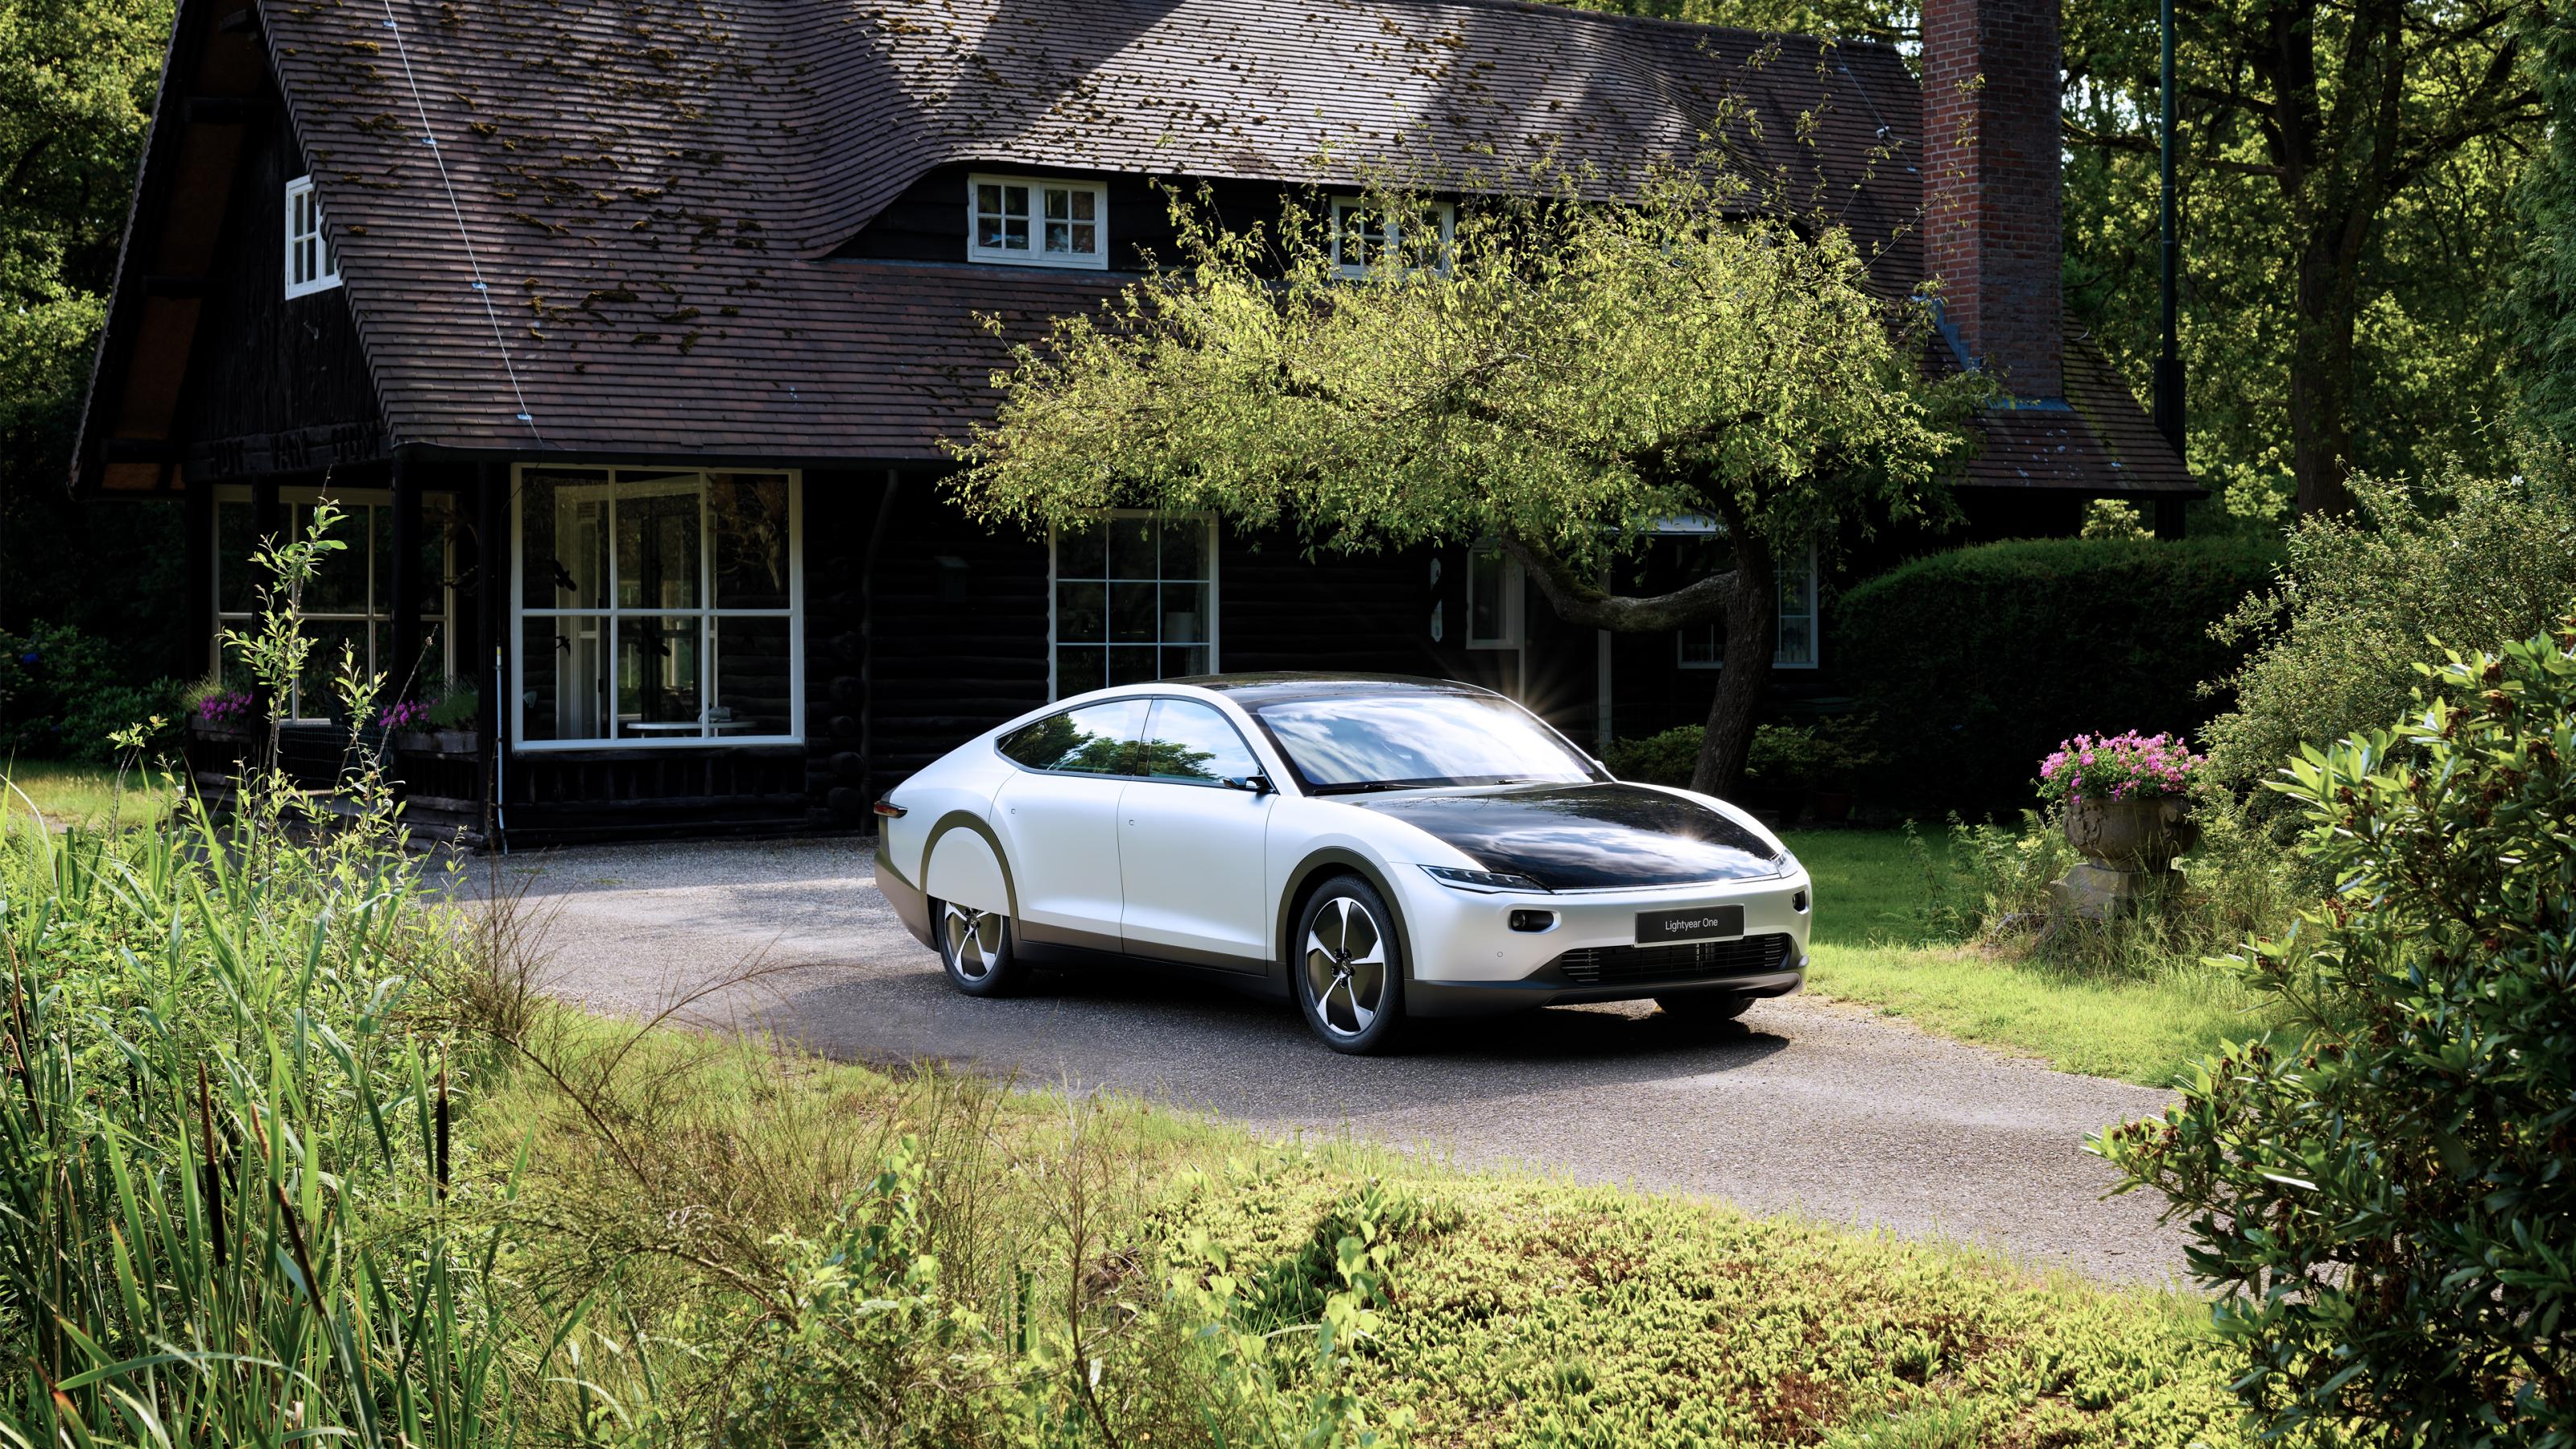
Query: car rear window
1097, 739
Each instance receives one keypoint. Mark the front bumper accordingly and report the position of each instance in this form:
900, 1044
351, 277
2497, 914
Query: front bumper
1468, 961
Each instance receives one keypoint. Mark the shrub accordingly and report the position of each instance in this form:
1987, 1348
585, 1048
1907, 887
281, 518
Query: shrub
63, 692
2385, 1190
1976, 661
1661, 759
2470, 562
1783, 756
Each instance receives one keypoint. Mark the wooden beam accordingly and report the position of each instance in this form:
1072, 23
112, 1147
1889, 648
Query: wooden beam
401, 662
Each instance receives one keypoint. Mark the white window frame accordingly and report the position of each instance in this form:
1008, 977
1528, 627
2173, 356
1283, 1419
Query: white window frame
1216, 597
1515, 586
1037, 255
358, 502
1447, 211
311, 265
658, 480
1815, 638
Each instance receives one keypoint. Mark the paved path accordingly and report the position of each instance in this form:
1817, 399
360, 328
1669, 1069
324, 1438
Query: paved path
1807, 1105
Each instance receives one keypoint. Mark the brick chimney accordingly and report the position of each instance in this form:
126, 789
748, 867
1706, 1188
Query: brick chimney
1990, 184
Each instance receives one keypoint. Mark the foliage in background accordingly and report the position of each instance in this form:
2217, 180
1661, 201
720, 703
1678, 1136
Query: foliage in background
1559, 375
2383, 1189
2468, 560
1976, 662
76, 81
63, 692
2540, 307
1827, 755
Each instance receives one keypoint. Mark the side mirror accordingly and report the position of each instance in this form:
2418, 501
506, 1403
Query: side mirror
1257, 783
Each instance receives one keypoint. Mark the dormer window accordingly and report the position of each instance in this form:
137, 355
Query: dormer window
1364, 236
1033, 222
310, 267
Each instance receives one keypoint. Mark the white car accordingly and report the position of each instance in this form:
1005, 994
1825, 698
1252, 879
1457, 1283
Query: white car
1377, 848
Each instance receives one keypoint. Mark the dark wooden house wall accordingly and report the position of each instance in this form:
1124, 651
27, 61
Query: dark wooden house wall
275, 384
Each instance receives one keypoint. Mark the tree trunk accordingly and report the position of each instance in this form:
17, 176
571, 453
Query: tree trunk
1752, 635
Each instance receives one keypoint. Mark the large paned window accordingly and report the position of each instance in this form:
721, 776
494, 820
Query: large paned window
1135, 600
1037, 223
1703, 646
658, 607
310, 267
349, 604
1364, 236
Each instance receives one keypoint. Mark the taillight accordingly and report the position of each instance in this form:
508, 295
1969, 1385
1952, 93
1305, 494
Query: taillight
890, 810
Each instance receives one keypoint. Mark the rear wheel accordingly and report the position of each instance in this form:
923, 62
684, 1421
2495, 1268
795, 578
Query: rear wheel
1704, 1006
1350, 967
975, 946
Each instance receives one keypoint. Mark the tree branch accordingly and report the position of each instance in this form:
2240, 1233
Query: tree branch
1585, 604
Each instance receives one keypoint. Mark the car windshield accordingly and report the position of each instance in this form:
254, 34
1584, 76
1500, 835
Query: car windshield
1392, 742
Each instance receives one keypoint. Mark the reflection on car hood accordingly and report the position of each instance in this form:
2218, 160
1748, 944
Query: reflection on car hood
1586, 837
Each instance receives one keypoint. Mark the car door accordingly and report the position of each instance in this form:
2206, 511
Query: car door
1058, 818
1190, 846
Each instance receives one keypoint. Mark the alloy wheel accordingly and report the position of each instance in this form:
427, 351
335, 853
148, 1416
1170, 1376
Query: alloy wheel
1346, 967
974, 941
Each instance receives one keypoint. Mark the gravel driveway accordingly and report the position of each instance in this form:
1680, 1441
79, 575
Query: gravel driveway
1807, 1105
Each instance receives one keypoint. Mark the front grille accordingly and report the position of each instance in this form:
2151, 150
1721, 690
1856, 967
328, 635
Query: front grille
1683, 961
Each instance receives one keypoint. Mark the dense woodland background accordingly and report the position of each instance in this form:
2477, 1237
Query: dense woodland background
2376, 268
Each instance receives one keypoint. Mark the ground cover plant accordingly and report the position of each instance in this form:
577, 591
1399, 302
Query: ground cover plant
2384, 1191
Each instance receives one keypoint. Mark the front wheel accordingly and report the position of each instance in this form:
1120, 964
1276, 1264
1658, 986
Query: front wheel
1350, 967
975, 946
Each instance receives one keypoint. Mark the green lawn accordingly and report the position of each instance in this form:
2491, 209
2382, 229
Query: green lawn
1869, 949
78, 794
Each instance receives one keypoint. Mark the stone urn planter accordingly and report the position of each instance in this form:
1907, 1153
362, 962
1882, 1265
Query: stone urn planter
2129, 848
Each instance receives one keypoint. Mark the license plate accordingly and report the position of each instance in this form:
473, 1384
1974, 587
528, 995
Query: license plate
1700, 923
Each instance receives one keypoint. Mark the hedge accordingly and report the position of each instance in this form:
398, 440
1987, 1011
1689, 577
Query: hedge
1975, 663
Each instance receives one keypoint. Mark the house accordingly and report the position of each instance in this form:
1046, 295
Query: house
628, 334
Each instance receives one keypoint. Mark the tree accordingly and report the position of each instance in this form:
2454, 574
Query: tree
2346, 169
1558, 376
2541, 311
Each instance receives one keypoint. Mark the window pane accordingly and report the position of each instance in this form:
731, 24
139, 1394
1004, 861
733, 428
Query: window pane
1097, 739
1015, 235
1185, 613
563, 520
1183, 662
1086, 239
1131, 614
1079, 671
1131, 548
1702, 644
1059, 204
658, 555
988, 230
1485, 615
755, 679
988, 199
1081, 612
339, 583
1083, 553
316, 690
749, 512
1185, 548
1059, 237
1186, 740
1083, 201
657, 675
1015, 202
1797, 643
563, 685
1134, 664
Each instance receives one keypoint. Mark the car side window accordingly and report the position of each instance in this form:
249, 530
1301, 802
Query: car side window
1097, 739
1190, 743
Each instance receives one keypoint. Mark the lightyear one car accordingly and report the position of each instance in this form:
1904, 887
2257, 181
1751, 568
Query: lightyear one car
1375, 848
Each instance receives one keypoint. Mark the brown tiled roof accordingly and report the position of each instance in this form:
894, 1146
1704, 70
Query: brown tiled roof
651, 188
2100, 439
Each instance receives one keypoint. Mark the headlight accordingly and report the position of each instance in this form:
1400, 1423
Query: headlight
1481, 880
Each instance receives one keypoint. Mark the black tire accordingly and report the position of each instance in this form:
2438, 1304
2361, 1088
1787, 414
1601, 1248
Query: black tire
975, 947
1347, 963
1704, 1007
